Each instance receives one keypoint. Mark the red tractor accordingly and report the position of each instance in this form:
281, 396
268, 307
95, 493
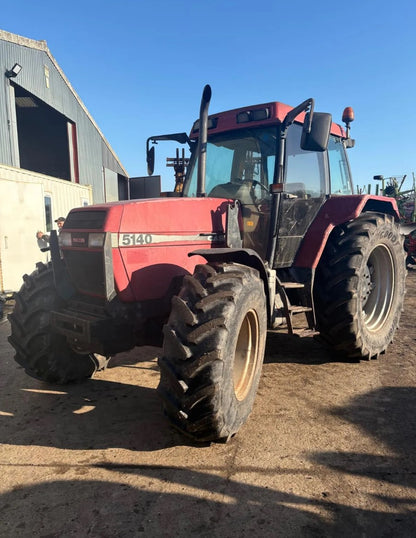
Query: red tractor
265, 226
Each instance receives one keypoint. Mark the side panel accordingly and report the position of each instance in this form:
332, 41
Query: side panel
335, 211
151, 271
150, 239
156, 237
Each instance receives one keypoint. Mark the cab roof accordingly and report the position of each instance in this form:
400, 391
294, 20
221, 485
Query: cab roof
254, 116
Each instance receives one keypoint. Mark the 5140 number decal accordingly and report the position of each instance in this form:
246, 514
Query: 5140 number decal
128, 240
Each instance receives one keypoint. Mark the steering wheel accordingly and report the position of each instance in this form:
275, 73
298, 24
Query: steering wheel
255, 183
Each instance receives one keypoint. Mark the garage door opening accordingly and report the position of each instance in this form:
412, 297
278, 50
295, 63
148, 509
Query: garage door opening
47, 140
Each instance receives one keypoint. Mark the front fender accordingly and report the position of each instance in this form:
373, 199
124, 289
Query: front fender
244, 256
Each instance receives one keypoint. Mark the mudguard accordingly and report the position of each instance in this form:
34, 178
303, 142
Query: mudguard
335, 211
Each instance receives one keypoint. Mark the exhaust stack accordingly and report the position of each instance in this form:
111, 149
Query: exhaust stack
202, 142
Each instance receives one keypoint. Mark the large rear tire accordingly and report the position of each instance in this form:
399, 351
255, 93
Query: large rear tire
360, 286
44, 354
213, 350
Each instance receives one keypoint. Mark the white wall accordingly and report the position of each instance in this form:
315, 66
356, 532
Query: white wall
22, 214
111, 186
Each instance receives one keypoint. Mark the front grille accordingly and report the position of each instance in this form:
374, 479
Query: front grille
86, 270
88, 220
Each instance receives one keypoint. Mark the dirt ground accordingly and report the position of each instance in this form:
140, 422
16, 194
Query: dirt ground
329, 450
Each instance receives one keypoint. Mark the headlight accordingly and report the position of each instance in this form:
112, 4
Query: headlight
96, 239
65, 239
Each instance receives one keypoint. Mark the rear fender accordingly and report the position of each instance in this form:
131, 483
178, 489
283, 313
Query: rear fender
336, 211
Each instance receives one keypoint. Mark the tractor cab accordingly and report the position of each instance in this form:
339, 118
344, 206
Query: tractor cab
278, 163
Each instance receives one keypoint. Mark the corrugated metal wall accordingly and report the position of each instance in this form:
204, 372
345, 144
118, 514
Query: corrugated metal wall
41, 76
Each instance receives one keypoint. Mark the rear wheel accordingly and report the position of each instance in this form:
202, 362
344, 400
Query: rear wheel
44, 354
360, 286
213, 351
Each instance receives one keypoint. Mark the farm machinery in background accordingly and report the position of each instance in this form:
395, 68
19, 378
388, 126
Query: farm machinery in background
406, 203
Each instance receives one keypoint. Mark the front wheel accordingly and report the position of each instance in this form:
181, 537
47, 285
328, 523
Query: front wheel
360, 286
213, 350
44, 354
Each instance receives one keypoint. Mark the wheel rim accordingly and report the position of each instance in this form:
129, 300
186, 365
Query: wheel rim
377, 289
246, 355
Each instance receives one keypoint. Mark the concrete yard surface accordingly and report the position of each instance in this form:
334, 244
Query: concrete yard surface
329, 450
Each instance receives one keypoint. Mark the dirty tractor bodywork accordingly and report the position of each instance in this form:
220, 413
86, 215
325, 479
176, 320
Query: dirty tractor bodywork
264, 227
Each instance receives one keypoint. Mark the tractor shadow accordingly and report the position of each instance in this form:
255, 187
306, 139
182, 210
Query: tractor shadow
137, 502
288, 348
386, 415
117, 408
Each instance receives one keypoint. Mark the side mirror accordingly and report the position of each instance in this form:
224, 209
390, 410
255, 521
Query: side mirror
150, 158
315, 137
182, 138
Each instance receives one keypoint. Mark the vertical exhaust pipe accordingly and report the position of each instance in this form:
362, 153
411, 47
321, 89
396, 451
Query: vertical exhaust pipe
203, 138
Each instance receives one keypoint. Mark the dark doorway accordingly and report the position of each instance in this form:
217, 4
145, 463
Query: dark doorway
43, 136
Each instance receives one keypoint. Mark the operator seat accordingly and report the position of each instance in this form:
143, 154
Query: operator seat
235, 190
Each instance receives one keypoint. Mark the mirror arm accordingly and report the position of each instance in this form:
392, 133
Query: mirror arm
303, 107
306, 106
182, 138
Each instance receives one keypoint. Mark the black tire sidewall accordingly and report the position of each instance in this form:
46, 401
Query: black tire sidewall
339, 285
386, 235
196, 369
251, 297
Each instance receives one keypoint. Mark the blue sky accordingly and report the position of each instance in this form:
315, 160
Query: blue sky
140, 67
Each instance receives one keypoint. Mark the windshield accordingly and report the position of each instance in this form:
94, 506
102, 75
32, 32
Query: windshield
236, 158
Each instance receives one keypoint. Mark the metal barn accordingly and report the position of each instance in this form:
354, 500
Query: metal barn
53, 156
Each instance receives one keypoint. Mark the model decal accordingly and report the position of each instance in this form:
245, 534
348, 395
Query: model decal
144, 239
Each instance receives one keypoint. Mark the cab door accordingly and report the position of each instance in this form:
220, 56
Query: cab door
304, 192
255, 168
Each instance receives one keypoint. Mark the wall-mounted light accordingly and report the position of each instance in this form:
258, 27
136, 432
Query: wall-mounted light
14, 71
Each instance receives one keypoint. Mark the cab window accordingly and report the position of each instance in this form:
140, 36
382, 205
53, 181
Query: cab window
305, 170
338, 167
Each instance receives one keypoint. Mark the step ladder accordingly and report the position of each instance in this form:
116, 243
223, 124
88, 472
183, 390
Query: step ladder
303, 306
